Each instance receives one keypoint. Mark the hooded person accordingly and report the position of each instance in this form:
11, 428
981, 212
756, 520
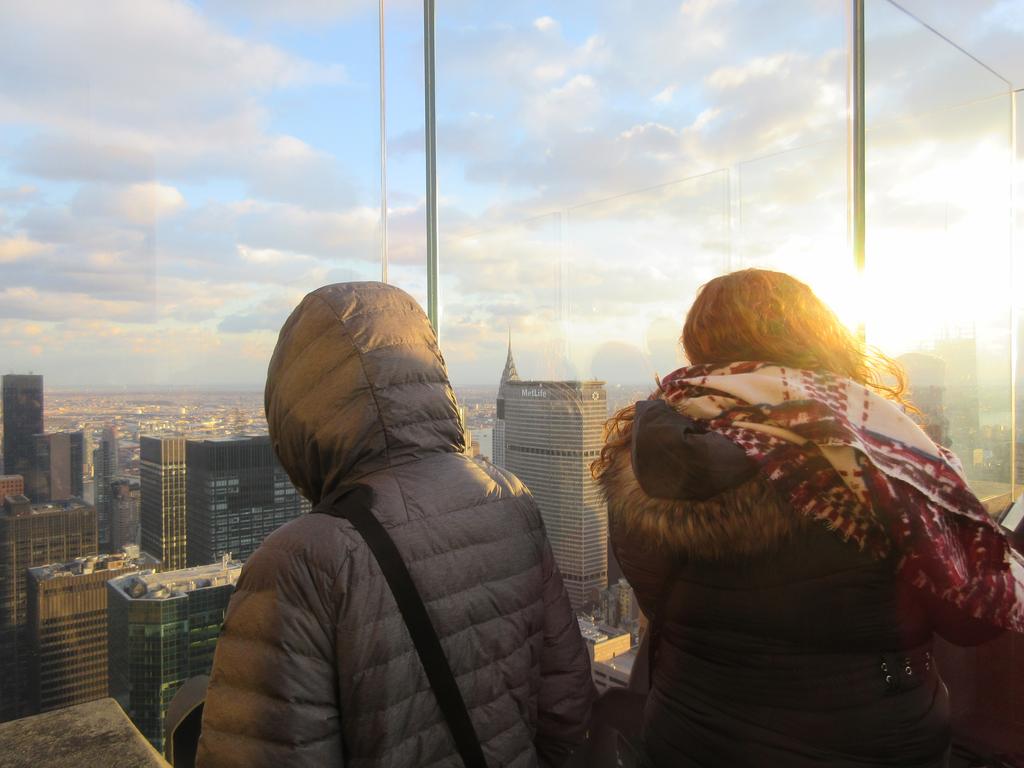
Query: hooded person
314, 665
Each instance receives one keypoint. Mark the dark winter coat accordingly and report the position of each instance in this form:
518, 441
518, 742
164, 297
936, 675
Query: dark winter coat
782, 645
314, 666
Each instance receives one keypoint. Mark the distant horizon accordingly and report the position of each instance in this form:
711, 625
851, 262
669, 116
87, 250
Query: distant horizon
250, 388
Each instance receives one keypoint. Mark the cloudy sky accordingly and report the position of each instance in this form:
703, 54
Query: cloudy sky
175, 176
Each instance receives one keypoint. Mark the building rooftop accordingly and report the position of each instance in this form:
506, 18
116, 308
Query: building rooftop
21, 506
547, 384
153, 585
623, 662
597, 633
80, 566
229, 438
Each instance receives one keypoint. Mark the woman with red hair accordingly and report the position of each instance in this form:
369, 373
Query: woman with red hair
796, 539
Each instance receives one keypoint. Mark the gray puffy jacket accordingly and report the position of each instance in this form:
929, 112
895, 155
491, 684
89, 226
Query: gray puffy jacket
314, 666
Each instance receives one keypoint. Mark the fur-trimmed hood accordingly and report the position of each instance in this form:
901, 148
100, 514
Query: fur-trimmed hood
745, 519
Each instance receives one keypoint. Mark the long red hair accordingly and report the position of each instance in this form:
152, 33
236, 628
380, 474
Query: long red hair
764, 316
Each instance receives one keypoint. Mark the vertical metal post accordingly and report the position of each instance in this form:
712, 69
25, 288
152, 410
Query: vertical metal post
383, 149
855, 188
1016, 181
857, 148
430, 135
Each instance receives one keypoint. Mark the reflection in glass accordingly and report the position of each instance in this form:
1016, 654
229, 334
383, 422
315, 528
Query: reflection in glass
939, 273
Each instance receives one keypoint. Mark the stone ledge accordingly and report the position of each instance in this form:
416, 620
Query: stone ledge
97, 733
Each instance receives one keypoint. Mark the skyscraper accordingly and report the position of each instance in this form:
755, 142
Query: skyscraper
32, 535
237, 494
163, 630
552, 432
67, 628
23, 418
125, 494
77, 440
162, 503
57, 469
104, 461
509, 378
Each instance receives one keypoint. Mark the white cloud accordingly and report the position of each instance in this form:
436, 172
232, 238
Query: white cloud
137, 65
549, 72
538, 118
760, 68
269, 256
18, 248
143, 203
28, 303
698, 9
545, 24
127, 91
18, 195
665, 95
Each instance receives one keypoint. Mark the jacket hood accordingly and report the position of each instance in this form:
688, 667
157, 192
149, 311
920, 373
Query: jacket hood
680, 493
357, 384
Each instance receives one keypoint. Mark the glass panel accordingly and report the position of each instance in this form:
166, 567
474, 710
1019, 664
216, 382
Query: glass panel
944, 149
989, 30
602, 151
939, 271
791, 216
173, 178
1018, 292
406, 159
635, 262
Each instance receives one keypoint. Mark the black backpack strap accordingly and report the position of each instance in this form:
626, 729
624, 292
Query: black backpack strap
353, 503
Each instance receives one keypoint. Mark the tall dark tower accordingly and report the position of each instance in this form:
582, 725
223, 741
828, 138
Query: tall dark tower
77, 450
23, 418
508, 376
162, 503
238, 494
57, 469
104, 461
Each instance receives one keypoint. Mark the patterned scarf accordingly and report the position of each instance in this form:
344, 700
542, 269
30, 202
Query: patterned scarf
846, 456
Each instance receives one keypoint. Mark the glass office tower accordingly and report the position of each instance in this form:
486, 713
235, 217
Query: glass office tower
57, 467
67, 627
23, 418
105, 469
163, 629
237, 495
125, 498
162, 501
552, 432
32, 535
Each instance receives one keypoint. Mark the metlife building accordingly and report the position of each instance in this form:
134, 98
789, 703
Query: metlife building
552, 432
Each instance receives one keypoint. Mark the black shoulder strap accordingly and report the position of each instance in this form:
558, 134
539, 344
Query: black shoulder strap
353, 504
